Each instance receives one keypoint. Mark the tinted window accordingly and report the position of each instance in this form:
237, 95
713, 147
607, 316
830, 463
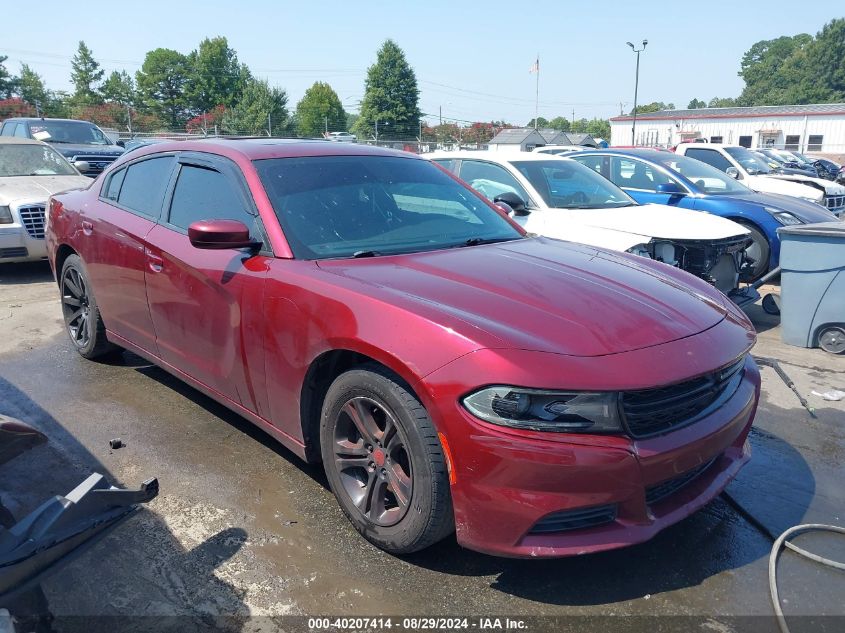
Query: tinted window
448, 164
745, 141
111, 190
21, 131
709, 156
340, 206
490, 180
635, 174
205, 194
570, 185
144, 185
9, 128
593, 162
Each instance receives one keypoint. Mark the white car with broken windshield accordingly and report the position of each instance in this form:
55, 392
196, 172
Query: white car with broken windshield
560, 198
30, 172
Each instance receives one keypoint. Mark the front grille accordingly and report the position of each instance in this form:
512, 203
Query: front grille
95, 163
655, 411
32, 217
575, 519
17, 251
835, 203
666, 488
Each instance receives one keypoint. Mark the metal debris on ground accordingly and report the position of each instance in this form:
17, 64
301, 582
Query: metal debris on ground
116, 443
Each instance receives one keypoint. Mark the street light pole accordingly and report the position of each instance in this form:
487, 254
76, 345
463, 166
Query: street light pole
636, 88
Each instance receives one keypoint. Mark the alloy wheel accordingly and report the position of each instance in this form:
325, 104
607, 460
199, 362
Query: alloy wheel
75, 307
371, 458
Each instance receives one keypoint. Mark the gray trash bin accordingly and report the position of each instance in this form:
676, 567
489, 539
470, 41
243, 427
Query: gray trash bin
812, 285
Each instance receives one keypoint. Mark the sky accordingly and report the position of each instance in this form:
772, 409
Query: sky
471, 59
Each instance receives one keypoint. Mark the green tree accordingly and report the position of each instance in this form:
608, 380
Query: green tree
216, 76
31, 87
598, 128
391, 96
718, 102
261, 110
770, 71
541, 123
560, 123
695, 104
161, 85
8, 83
318, 110
119, 88
823, 76
655, 106
85, 75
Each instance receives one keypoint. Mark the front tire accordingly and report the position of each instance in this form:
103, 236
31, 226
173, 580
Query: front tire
82, 318
759, 251
384, 461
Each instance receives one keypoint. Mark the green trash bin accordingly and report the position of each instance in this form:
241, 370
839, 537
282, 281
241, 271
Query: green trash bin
812, 285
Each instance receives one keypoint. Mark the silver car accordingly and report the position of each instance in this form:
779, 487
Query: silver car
30, 172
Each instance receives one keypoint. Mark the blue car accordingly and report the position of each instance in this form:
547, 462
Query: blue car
668, 178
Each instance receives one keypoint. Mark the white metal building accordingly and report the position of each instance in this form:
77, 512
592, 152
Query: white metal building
807, 128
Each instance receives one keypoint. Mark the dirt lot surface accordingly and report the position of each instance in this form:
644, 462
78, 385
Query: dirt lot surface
242, 528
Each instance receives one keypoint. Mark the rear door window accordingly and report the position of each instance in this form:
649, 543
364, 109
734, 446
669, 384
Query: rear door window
9, 128
144, 186
491, 180
111, 190
709, 156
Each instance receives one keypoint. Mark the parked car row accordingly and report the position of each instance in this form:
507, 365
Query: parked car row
452, 372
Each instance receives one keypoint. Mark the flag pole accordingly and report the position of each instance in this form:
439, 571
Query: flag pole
537, 95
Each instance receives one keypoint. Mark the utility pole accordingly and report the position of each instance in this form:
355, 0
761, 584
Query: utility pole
636, 87
327, 125
376, 130
441, 115
269, 125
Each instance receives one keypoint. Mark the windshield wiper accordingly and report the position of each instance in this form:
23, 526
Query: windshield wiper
54, 140
475, 241
359, 254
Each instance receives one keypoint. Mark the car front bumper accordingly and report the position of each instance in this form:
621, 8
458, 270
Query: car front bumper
17, 245
509, 484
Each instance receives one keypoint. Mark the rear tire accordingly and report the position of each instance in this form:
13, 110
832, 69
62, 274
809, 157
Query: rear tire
761, 251
82, 318
384, 461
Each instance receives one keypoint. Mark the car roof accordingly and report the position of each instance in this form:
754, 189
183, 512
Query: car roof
494, 156
264, 148
18, 140
42, 118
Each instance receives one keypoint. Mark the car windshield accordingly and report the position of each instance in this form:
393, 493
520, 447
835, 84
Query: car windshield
76, 132
751, 162
708, 179
363, 206
570, 185
32, 160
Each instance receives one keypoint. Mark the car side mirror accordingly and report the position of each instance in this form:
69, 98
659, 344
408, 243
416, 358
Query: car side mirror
120, 143
671, 188
82, 165
220, 234
733, 172
512, 200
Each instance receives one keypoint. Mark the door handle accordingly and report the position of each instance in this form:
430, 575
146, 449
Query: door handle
87, 227
154, 262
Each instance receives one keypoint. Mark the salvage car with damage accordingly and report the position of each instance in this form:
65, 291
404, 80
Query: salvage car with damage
560, 198
452, 373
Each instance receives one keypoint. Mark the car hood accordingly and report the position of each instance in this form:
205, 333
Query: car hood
37, 188
71, 149
806, 211
661, 221
542, 295
830, 188
773, 184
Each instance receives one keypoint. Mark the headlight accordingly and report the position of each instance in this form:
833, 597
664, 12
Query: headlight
787, 219
539, 410
640, 249
5, 215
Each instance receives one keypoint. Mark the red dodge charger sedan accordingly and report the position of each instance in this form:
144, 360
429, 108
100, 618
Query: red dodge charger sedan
370, 311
